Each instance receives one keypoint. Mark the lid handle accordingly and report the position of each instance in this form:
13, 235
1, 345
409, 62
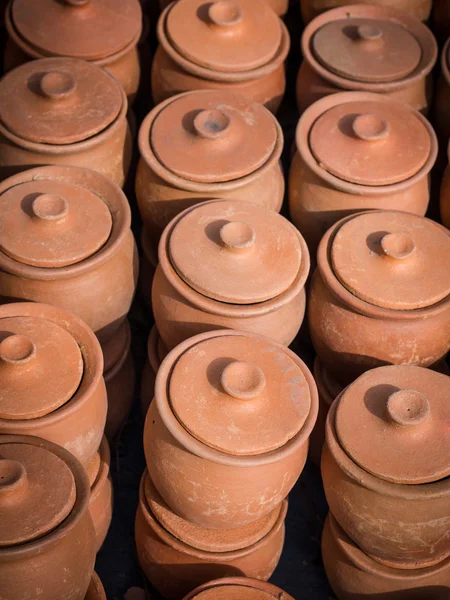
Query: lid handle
370, 127
211, 124
408, 407
225, 13
237, 236
369, 32
17, 350
243, 380
76, 3
397, 245
13, 480
49, 207
57, 85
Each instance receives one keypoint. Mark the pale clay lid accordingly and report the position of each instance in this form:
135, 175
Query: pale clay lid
239, 394
393, 260
225, 35
37, 492
370, 143
235, 252
58, 100
233, 592
52, 223
213, 137
394, 423
41, 367
86, 29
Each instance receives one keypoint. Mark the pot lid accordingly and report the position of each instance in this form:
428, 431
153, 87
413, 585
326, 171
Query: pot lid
37, 492
370, 50
52, 223
239, 394
87, 29
393, 422
393, 260
370, 142
235, 252
213, 137
229, 591
34, 380
225, 35
58, 100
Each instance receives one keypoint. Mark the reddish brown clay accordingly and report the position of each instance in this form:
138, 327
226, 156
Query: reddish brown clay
156, 353
238, 588
95, 277
45, 546
51, 369
95, 590
358, 151
147, 267
101, 500
442, 98
419, 9
177, 556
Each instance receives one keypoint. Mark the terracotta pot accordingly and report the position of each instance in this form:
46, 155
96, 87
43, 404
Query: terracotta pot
442, 98
177, 556
385, 465
156, 353
93, 274
247, 46
232, 151
238, 588
105, 33
231, 265
63, 401
206, 474
148, 264
102, 493
47, 537
120, 379
445, 198
419, 9
63, 112
351, 157
369, 281
441, 19
95, 590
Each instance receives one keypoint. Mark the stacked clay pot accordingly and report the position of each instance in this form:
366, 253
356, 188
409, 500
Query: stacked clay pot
381, 50
386, 473
247, 44
232, 265
358, 151
241, 588
419, 9
103, 32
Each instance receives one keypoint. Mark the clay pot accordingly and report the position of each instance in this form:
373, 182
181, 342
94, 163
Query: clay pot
156, 353
247, 46
358, 151
385, 465
418, 9
355, 576
101, 500
120, 379
442, 98
63, 111
381, 50
238, 588
47, 537
148, 264
380, 274
106, 33
95, 590
231, 265
205, 145
228, 427
177, 556
90, 267
51, 380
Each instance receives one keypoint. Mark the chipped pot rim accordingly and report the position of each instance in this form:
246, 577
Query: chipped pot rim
263, 586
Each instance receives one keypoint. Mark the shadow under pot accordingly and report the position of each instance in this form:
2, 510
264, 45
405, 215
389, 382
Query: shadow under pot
355, 576
381, 294
147, 266
95, 590
442, 99
103, 32
66, 240
47, 540
101, 498
156, 353
419, 9
247, 46
385, 465
51, 383
230, 265
63, 111
238, 587
177, 556
205, 145
226, 436
358, 151
381, 50
440, 19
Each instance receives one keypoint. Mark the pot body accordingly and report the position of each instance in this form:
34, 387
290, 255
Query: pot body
120, 383
101, 500
445, 198
95, 590
420, 9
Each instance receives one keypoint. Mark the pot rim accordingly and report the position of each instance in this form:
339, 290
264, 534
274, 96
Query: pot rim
264, 586
126, 352
108, 191
191, 444
103, 473
179, 182
313, 112
227, 309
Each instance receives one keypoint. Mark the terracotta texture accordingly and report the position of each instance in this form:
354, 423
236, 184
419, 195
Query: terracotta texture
386, 173
78, 424
66, 122
100, 288
442, 98
156, 353
101, 499
251, 281
355, 576
179, 559
238, 588
419, 9
59, 562
244, 482
95, 590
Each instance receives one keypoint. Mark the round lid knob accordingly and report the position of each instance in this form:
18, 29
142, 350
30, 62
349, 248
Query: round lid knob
57, 85
225, 13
